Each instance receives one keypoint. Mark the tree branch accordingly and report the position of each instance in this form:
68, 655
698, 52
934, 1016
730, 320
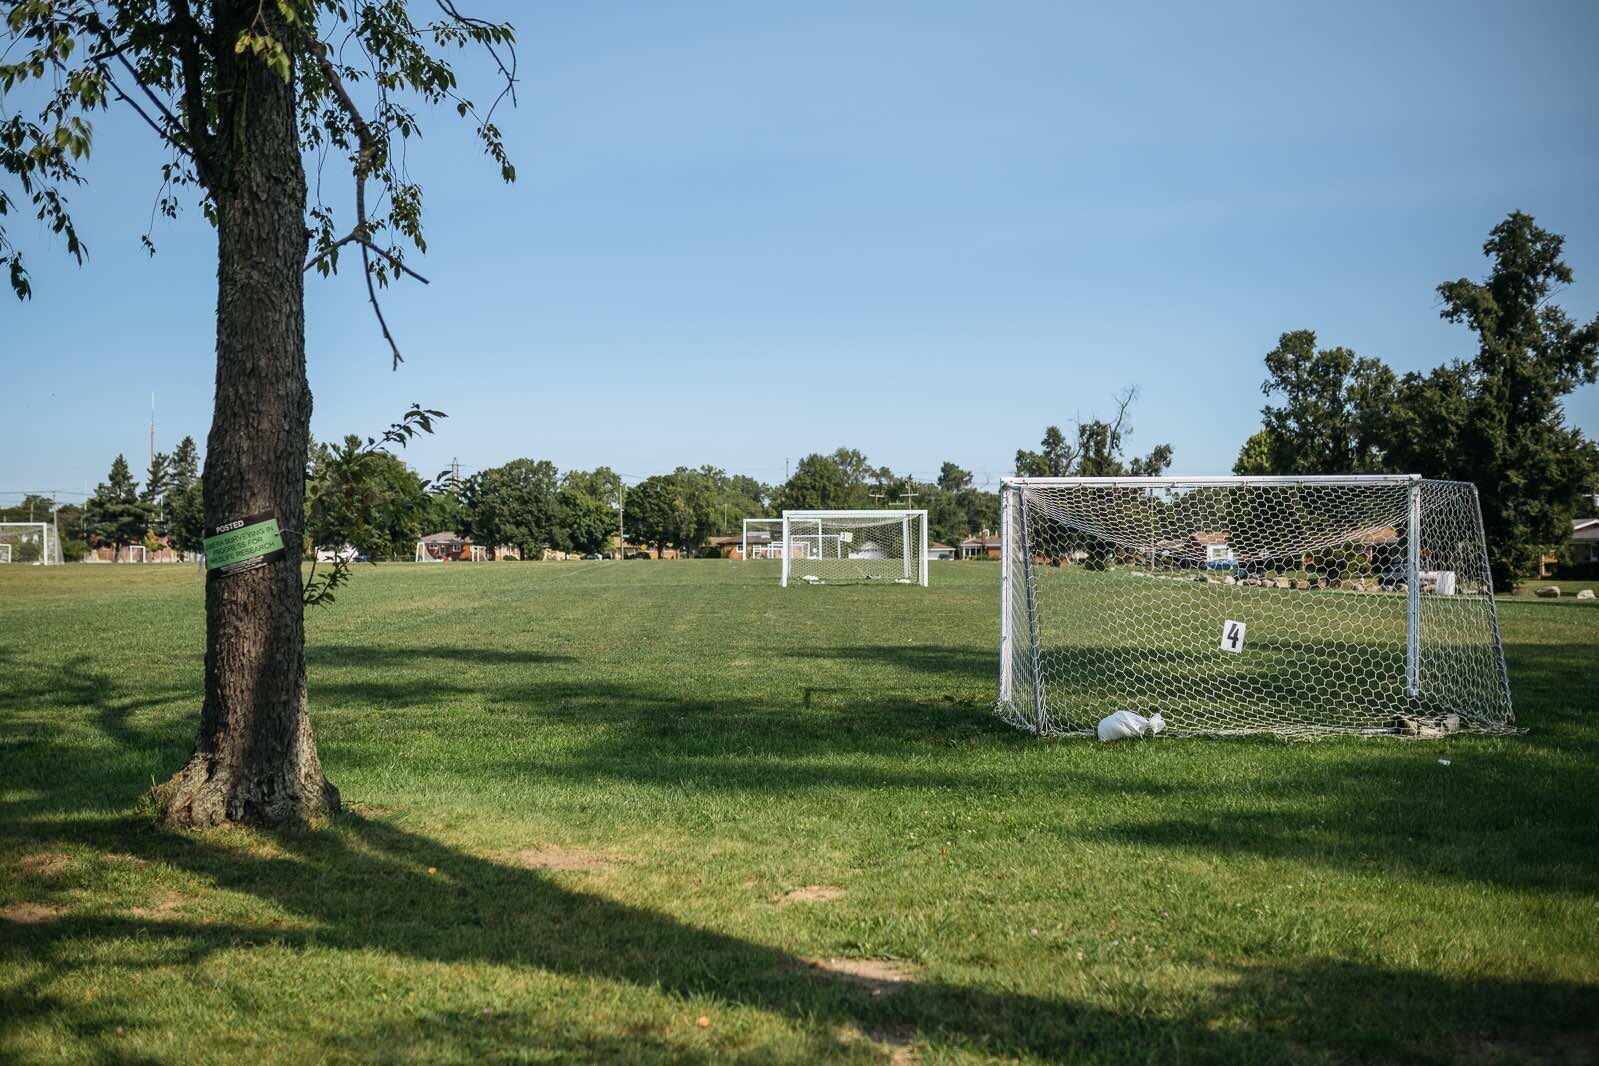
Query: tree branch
200, 140
370, 150
355, 238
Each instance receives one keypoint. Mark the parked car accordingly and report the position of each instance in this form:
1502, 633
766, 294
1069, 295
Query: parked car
347, 553
593, 555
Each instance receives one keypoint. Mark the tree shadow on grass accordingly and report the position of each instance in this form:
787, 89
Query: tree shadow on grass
365, 655
972, 665
1513, 812
364, 886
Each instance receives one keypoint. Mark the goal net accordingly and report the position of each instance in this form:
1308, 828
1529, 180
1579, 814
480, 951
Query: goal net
1298, 606
29, 542
846, 546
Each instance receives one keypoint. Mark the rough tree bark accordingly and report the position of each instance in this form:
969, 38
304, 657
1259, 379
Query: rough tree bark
255, 761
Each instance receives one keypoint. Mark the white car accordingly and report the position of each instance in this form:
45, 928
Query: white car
328, 555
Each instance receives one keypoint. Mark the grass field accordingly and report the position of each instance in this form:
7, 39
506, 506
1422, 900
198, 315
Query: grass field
669, 811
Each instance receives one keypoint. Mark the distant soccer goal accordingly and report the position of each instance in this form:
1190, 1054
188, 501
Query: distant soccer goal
834, 547
1299, 606
29, 542
761, 538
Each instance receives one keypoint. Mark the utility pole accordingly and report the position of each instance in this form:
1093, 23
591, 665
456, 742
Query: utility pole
908, 497
455, 469
621, 501
152, 429
785, 468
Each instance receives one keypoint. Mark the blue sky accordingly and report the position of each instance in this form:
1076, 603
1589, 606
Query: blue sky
745, 232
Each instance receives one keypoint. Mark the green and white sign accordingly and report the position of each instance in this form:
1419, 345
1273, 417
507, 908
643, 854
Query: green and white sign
243, 544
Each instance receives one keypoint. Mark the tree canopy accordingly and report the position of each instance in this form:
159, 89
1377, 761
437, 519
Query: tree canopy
1098, 451
115, 515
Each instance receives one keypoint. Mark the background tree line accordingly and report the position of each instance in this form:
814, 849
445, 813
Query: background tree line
1495, 419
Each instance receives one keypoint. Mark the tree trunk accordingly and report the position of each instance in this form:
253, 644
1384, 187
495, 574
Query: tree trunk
255, 761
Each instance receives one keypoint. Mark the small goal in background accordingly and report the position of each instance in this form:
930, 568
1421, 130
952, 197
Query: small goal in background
29, 542
839, 547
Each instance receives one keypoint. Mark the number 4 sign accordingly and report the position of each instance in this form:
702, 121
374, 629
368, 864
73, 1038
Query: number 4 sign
1232, 636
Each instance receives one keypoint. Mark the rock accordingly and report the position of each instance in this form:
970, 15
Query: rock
1585, 594
1549, 592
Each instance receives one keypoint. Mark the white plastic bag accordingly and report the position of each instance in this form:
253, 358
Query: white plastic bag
1125, 724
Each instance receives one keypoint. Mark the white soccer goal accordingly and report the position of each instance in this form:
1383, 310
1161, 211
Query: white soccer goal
1291, 605
767, 549
845, 546
29, 542
135, 553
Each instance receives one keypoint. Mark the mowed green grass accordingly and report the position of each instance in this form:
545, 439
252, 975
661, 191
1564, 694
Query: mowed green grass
580, 795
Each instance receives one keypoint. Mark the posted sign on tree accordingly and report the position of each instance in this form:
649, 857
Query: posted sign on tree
243, 544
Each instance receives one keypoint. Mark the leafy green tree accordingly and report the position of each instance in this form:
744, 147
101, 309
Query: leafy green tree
657, 512
858, 470
952, 478
1098, 451
157, 482
1054, 457
1530, 467
749, 495
1333, 413
183, 502
818, 483
185, 516
185, 464
516, 504
1255, 457
366, 498
240, 92
115, 516
587, 502
954, 516
730, 499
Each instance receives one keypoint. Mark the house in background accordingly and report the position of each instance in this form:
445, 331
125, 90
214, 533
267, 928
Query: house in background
1584, 541
441, 547
985, 545
449, 547
937, 552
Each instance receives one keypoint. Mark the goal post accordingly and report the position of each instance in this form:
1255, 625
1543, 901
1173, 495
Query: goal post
855, 546
1300, 606
35, 543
